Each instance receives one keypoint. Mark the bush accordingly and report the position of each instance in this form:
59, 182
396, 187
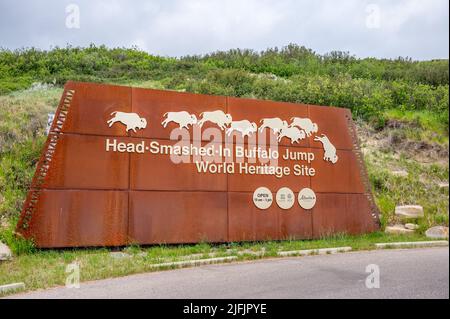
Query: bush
16, 171
224, 82
292, 73
8, 85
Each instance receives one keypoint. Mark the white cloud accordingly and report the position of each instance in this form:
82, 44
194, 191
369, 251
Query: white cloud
413, 28
210, 25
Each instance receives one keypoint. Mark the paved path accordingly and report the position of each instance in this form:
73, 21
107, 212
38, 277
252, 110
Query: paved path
412, 273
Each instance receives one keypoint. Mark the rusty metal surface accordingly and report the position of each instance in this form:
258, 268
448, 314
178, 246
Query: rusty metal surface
166, 175
153, 104
341, 213
80, 162
82, 195
246, 222
177, 217
332, 121
92, 105
71, 218
273, 223
248, 183
256, 110
342, 177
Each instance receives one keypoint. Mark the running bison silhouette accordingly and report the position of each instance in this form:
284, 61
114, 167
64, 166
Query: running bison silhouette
131, 120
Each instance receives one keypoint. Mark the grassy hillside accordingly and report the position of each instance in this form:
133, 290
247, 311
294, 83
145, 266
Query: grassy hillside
401, 108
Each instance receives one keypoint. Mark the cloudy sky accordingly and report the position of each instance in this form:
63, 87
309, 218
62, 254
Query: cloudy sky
378, 28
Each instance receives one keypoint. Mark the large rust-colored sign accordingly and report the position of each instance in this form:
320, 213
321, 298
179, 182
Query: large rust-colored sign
128, 165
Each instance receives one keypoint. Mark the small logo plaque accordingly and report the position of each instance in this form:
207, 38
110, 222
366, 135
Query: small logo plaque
285, 198
307, 198
262, 198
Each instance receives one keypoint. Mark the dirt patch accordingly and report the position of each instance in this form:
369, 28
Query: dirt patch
397, 124
421, 150
393, 139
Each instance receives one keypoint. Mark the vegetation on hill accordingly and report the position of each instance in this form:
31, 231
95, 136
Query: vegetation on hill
401, 107
294, 74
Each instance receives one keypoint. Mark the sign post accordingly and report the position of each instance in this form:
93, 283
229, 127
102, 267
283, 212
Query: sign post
128, 165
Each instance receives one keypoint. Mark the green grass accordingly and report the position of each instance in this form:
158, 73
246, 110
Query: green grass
419, 187
23, 115
422, 124
46, 268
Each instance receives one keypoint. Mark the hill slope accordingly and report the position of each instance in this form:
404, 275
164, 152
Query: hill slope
401, 108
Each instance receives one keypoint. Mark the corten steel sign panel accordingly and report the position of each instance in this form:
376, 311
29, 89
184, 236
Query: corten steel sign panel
111, 172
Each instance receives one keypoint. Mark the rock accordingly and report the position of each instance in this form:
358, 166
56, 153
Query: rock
412, 226
5, 252
4, 222
398, 229
12, 287
437, 232
400, 173
409, 211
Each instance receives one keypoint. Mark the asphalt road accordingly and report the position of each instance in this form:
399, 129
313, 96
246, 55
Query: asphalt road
412, 273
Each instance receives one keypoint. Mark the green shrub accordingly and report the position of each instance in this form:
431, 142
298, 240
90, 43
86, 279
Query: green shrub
10, 84
16, 171
16, 243
292, 73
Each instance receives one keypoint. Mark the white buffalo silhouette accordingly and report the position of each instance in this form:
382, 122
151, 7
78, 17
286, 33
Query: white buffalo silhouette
293, 133
183, 118
275, 124
245, 127
216, 117
131, 120
305, 124
330, 150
